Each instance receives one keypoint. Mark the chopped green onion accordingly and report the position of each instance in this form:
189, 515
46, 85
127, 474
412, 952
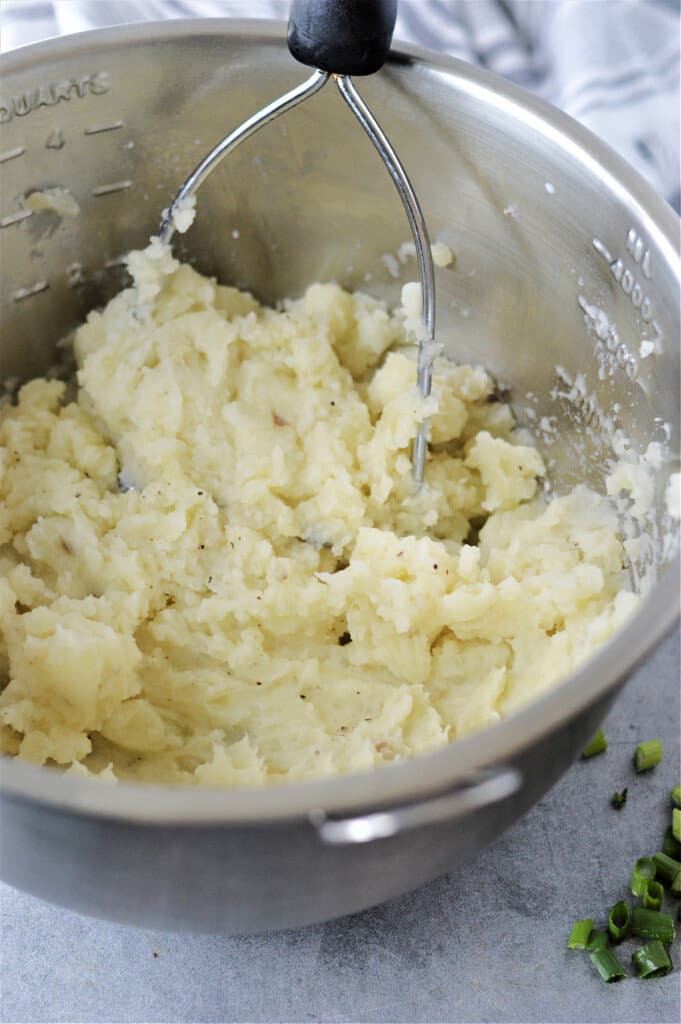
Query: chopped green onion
598, 940
597, 745
652, 924
651, 960
618, 800
607, 965
666, 867
652, 895
644, 872
670, 845
619, 921
580, 934
676, 824
675, 887
647, 755
675, 794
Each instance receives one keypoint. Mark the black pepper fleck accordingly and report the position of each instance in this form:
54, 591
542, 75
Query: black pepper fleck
344, 639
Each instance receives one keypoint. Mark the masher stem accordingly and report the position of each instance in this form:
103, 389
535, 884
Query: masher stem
258, 120
399, 176
424, 373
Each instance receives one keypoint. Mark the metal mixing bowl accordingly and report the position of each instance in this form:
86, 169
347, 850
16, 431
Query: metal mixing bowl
544, 220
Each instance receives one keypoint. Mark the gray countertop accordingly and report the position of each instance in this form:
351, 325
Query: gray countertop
483, 943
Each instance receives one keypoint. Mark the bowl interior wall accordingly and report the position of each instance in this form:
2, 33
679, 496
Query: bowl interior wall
537, 230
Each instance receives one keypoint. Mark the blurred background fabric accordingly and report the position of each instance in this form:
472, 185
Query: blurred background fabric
612, 64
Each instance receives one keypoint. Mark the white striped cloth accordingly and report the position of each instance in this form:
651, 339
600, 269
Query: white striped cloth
612, 64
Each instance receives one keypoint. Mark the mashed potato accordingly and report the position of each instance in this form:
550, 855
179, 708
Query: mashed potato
215, 567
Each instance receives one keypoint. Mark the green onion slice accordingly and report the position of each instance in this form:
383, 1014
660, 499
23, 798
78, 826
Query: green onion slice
669, 870
644, 872
652, 895
675, 794
597, 745
619, 921
651, 960
676, 824
618, 800
647, 755
607, 965
652, 924
666, 867
598, 940
580, 934
670, 846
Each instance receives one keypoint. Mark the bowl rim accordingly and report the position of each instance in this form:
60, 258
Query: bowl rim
414, 779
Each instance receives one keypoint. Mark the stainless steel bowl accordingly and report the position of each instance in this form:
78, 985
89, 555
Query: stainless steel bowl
544, 220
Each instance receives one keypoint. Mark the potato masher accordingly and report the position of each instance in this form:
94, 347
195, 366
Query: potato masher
339, 39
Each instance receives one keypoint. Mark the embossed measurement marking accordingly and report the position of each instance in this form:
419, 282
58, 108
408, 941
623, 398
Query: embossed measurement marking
606, 333
602, 250
99, 128
12, 154
585, 405
50, 94
637, 247
15, 218
55, 140
632, 287
115, 186
75, 275
30, 291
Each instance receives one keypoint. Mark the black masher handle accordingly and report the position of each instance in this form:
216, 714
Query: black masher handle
343, 37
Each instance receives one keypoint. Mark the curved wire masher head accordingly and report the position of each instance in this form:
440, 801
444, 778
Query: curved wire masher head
417, 223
